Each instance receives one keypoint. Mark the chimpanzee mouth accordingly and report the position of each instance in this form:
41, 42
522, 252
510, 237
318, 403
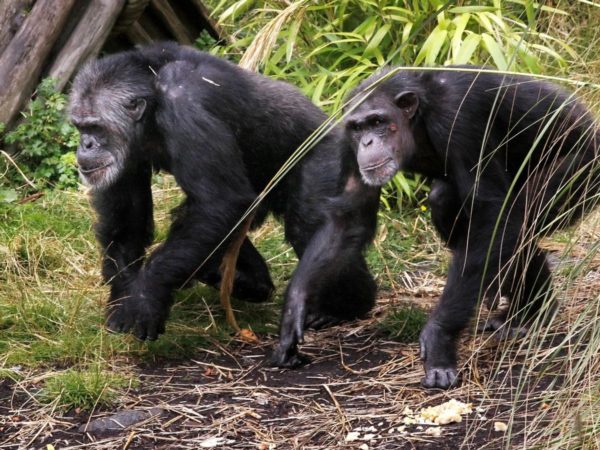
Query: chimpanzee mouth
379, 173
86, 171
377, 165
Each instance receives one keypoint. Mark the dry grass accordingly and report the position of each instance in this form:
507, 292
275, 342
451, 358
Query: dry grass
543, 387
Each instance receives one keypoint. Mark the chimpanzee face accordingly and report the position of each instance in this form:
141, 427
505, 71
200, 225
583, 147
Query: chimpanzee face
381, 135
109, 117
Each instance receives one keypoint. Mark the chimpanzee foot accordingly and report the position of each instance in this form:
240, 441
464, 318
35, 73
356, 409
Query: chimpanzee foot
438, 353
440, 377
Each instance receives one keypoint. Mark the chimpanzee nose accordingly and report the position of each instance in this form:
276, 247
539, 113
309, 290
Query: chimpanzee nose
87, 142
367, 141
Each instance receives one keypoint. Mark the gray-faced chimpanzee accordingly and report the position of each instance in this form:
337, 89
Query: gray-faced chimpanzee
511, 157
223, 133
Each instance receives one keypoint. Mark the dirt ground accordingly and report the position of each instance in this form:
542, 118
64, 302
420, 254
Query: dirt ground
353, 395
357, 381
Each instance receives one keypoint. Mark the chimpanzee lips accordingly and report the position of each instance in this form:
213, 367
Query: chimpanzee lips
89, 170
377, 165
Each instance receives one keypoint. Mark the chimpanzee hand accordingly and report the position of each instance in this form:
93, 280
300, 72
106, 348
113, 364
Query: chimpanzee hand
291, 334
438, 354
139, 312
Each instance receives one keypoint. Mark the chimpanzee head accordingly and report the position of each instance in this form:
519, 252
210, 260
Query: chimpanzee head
381, 128
109, 104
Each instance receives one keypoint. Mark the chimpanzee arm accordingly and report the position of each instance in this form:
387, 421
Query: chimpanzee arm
485, 245
206, 163
333, 253
124, 228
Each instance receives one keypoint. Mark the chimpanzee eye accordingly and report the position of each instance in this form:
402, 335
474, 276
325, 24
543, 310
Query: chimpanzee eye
354, 126
377, 122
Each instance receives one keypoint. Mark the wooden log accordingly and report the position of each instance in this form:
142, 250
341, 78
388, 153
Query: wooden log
23, 59
166, 14
137, 35
210, 24
86, 40
12, 16
153, 27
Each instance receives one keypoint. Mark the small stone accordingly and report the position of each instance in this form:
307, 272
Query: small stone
119, 421
364, 447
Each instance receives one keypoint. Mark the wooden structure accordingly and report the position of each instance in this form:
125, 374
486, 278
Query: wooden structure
52, 38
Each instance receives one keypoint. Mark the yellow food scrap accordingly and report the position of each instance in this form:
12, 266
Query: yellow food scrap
448, 412
352, 436
500, 426
434, 431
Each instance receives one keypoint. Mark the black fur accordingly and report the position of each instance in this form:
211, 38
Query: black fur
512, 158
223, 132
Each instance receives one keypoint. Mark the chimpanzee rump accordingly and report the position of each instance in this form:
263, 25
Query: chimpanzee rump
512, 158
223, 132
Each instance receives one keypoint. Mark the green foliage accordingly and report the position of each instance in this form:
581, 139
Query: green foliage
404, 324
46, 141
85, 389
205, 41
326, 48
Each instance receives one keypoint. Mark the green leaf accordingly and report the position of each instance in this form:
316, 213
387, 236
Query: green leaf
376, 40
467, 48
432, 46
470, 9
291, 39
495, 51
460, 23
236, 9
318, 91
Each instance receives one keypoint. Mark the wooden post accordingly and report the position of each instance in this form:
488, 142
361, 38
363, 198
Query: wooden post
86, 40
23, 59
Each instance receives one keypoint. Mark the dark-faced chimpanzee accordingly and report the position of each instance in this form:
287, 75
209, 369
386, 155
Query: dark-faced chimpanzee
223, 133
511, 157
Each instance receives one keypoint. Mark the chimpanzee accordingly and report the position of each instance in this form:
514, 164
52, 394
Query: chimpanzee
223, 133
511, 158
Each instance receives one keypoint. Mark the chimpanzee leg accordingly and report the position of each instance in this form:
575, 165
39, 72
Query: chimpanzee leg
529, 288
478, 258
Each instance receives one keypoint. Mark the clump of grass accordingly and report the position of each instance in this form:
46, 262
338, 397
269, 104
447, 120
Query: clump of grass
404, 324
83, 388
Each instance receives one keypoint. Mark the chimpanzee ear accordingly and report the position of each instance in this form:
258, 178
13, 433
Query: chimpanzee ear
408, 102
137, 107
